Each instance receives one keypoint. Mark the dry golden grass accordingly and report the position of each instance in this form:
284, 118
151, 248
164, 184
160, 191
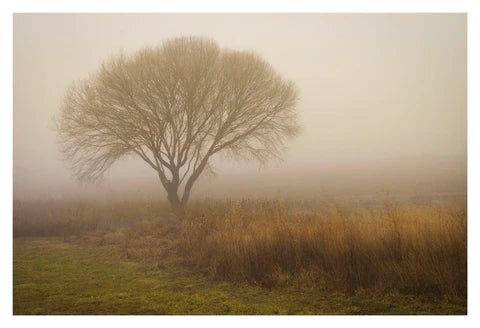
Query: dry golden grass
404, 248
70, 218
409, 249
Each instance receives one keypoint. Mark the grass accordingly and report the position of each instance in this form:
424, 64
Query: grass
253, 256
52, 276
406, 248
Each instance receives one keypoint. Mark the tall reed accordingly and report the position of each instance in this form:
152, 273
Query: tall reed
411, 249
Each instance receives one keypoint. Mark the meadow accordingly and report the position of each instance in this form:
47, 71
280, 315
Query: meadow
251, 256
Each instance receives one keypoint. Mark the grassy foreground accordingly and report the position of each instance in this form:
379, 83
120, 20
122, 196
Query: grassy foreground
51, 276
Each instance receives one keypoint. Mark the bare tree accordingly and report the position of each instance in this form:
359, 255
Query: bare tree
175, 106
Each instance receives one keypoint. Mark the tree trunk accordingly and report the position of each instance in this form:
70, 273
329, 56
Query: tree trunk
178, 207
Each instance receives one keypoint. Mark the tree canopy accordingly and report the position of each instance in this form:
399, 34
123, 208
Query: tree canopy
175, 106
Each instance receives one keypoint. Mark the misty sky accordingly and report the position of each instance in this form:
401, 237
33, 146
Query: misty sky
372, 87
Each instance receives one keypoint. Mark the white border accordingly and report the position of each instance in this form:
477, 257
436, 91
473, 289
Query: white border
239, 6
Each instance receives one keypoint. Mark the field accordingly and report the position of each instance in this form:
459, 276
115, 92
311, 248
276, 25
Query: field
248, 257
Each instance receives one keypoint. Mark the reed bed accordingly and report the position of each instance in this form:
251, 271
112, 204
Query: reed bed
405, 248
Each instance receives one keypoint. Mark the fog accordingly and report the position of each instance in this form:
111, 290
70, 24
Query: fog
383, 101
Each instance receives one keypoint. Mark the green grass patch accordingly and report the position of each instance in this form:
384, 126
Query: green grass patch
51, 276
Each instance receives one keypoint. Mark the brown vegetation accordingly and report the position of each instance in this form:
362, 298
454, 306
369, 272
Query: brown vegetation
394, 248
